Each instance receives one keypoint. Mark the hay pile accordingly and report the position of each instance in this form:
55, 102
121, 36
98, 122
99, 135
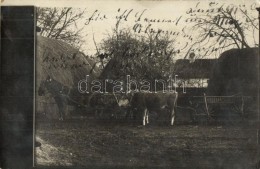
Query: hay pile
235, 73
62, 62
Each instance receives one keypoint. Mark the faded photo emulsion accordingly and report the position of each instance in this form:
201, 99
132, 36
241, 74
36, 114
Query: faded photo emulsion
164, 84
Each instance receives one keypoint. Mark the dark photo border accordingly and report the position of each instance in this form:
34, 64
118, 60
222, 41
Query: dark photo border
17, 86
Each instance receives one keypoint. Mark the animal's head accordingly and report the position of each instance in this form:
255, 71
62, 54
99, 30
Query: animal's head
43, 85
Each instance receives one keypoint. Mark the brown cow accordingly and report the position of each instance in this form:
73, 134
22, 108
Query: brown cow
147, 102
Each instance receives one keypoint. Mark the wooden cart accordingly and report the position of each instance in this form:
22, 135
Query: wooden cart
211, 107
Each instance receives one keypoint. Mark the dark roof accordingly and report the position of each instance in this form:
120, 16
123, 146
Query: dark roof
200, 68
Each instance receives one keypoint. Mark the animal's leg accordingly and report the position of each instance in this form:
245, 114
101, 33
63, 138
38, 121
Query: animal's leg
45, 110
147, 116
172, 116
61, 106
60, 109
61, 114
144, 116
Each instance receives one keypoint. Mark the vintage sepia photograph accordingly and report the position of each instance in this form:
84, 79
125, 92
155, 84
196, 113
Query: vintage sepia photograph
149, 84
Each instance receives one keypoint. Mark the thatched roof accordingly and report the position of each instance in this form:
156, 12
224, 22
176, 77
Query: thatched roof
235, 72
200, 68
62, 62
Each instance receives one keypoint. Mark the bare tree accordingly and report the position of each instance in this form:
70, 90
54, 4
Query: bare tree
223, 27
61, 23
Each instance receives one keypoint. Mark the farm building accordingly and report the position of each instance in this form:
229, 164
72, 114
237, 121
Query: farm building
234, 72
195, 74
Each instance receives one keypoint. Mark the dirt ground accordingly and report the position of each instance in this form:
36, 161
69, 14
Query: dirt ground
103, 143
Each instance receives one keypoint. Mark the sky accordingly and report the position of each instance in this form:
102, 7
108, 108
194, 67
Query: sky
105, 16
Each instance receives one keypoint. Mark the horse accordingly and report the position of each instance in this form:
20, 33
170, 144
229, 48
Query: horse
63, 95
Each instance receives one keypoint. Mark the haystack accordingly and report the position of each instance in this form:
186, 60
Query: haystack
63, 63
235, 73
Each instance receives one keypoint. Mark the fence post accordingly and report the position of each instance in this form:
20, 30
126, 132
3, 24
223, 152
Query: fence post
206, 104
